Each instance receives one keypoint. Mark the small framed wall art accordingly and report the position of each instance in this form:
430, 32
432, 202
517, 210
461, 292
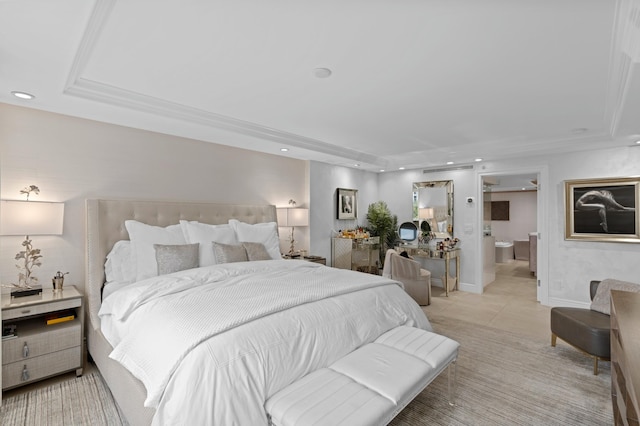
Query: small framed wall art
602, 210
347, 202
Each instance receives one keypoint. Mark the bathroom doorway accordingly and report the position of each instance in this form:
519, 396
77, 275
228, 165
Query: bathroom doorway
510, 222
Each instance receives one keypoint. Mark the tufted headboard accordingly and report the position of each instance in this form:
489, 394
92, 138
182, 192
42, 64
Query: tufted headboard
105, 226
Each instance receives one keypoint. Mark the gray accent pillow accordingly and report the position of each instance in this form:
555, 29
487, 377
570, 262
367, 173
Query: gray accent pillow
173, 258
256, 251
229, 253
602, 299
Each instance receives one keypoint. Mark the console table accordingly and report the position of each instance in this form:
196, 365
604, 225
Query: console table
358, 254
449, 283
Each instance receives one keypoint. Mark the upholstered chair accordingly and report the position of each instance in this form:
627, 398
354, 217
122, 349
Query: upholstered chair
417, 281
589, 330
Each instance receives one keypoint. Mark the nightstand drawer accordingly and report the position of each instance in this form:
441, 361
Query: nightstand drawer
23, 372
26, 311
43, 341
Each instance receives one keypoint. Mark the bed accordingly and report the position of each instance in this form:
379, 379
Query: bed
298, 317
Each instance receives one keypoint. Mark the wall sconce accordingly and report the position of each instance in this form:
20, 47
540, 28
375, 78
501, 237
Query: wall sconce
292, 217
29, 218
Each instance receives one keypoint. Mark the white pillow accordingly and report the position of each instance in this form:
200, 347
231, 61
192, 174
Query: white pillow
120, 265
143, 237
265, 233
205, 235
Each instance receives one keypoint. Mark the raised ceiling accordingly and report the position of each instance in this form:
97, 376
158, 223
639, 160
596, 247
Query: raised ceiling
413, 84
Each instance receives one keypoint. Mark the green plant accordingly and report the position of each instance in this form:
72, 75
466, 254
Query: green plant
382, 224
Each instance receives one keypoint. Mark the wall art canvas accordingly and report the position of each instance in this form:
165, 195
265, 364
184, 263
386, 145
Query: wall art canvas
602, 210
347, 203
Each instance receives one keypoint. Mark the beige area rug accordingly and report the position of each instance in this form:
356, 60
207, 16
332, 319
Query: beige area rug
503, 379
510, 379
81, 401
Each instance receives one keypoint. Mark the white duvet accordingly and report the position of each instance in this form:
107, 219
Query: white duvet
212, 344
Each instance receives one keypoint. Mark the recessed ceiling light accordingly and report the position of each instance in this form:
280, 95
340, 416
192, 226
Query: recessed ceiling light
284, 149
322, 72
478, 160
357, 165
381, 170
638, 142
449, 163
400, 168
22, 95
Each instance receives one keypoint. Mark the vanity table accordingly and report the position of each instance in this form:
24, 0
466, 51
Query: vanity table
450, 283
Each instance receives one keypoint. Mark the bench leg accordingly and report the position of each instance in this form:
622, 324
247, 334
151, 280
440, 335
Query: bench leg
452, 372
595, 365
553, 339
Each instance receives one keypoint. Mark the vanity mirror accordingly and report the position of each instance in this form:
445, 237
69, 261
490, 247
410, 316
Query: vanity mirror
433, 203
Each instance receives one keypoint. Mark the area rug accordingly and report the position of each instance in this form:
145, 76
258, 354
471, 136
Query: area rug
83, 401
503, 378
510, 379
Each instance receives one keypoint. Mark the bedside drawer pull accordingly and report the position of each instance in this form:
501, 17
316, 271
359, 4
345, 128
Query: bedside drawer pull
25, 350
25, 374
26, 311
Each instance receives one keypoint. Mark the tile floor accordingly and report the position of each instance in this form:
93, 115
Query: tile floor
508, 303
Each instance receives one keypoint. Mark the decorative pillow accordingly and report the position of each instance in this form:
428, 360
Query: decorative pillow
265, 233
229, 253
203, 233
602, 300
256, 251
174, 258
120, 265
143, 237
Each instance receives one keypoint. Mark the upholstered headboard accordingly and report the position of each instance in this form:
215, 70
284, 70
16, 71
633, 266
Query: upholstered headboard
105, 227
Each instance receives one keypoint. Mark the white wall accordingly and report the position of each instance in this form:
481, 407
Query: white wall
72, 159
396, 188
572, 264
522, 216
325, 179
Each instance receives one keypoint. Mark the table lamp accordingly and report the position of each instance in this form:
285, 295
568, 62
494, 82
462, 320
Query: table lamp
29, 218
292, 217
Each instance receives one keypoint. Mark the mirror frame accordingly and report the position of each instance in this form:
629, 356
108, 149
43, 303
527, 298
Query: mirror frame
448, 186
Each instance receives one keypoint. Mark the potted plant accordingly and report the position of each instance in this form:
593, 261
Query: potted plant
382, 224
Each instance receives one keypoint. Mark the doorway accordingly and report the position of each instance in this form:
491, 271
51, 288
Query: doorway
510, 225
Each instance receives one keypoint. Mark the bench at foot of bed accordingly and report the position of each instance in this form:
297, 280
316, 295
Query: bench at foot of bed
369, 386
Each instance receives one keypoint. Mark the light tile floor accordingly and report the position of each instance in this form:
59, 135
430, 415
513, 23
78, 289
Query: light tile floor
508, 303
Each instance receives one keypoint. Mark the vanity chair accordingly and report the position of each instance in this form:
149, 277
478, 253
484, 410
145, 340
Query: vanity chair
417, 281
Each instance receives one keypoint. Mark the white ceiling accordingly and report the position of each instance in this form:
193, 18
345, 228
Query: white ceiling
415, 83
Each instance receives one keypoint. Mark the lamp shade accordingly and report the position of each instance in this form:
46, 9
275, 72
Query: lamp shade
31, 218
289, 216
426, 213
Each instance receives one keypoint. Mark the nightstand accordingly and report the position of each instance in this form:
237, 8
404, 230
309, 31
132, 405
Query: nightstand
39, 350
315, 259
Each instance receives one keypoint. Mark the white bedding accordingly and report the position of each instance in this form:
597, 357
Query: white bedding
212, 344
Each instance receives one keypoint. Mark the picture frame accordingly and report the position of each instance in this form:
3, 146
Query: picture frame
603, 210
347, 203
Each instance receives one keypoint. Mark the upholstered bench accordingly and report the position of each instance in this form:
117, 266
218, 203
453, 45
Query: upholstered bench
369, 386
